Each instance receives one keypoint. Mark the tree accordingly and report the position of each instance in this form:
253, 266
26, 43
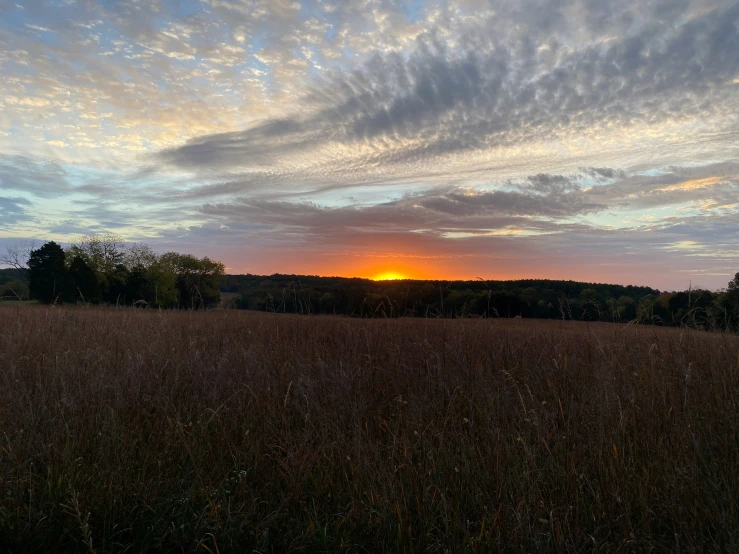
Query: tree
16, 256
48, 275
15, 289
198, 279
161, 285
139, 255
720, 312
625, 308
645, 309
733, 284
102, 252
589, 304
85, 281
731, 302
136, 284
116, 291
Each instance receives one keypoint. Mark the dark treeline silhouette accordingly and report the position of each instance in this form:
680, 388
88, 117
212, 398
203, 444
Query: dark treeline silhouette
102, 269
529, 298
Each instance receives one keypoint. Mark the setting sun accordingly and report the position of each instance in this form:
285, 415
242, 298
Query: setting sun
389, 276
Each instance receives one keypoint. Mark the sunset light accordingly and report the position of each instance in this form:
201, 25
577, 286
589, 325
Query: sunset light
441, 139
389, 276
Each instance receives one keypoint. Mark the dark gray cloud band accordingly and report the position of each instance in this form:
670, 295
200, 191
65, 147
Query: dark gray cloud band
13, 210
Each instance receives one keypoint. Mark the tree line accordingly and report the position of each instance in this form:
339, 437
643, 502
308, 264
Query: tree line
529, 298
102, 269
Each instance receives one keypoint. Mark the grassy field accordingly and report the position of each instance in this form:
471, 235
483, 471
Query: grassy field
134, 431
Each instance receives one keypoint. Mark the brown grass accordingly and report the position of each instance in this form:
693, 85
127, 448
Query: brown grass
124, 430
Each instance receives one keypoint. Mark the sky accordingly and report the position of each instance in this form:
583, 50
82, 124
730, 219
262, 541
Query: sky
592, 140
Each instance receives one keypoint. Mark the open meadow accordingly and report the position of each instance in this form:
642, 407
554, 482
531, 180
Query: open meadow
128, 430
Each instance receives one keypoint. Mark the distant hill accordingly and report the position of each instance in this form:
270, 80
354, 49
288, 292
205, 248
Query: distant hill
7, 275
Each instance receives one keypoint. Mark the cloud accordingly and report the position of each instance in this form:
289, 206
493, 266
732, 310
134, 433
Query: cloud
526, 203
539, 203
400, 109
13, 210
531, 202
525, 138
548, 217
42, 177
604, 172
674, 187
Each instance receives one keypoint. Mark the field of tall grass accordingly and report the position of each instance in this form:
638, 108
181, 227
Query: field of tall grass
134, 431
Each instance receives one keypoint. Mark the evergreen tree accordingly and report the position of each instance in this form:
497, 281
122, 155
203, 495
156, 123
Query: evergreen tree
49, 279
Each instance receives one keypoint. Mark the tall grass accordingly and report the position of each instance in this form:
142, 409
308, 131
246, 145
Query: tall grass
132, 431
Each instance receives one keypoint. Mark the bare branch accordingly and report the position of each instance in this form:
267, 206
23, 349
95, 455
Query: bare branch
16, 256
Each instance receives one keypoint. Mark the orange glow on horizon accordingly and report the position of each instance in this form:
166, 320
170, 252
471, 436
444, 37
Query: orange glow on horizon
389, 276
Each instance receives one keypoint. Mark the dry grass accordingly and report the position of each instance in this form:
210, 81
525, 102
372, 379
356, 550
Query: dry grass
135, 431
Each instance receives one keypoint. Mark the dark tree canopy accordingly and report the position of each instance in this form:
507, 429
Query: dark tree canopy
530, 298
48, 275
734, 285
85, 281
731, 302
198, 279
102, 268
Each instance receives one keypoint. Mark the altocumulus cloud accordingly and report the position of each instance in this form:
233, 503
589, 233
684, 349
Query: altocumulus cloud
488, 92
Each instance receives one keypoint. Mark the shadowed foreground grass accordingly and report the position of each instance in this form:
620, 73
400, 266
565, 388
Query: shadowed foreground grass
125, 430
